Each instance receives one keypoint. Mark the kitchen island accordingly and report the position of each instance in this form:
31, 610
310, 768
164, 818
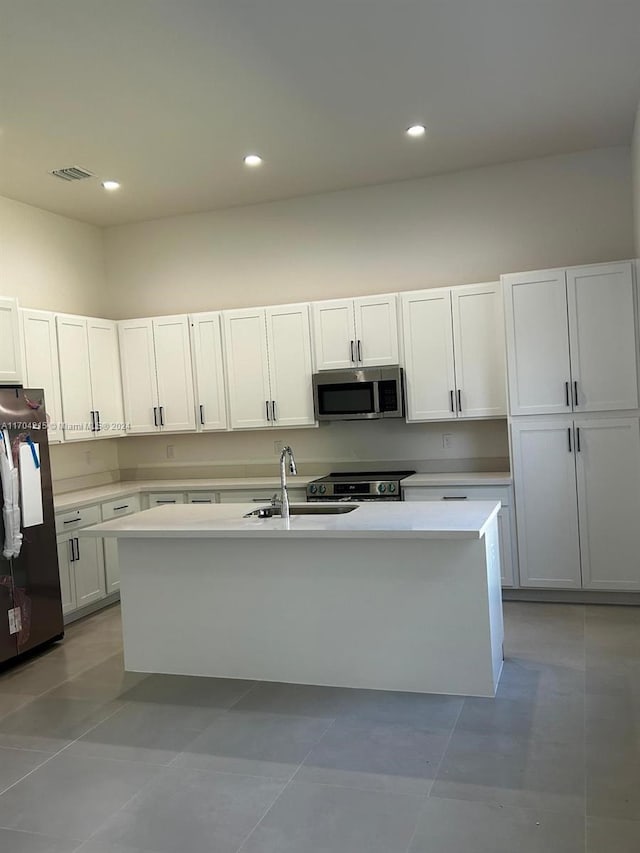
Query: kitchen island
393, 596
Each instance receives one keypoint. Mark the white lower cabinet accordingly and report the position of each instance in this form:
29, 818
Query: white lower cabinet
506, 521
577, 487
162, 498
116, 509
202, 497
67, 581
82, 576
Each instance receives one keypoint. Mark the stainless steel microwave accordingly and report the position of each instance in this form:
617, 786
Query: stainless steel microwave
361, 394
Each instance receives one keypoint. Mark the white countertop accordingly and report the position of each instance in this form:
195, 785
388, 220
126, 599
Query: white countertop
112, 491
492, 478
396, 520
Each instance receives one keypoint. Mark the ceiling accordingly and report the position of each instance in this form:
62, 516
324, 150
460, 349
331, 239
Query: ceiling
167, 97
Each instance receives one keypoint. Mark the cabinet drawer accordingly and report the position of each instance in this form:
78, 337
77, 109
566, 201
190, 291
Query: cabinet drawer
202, 497
162, 498
121, 506
74, 519
472, 493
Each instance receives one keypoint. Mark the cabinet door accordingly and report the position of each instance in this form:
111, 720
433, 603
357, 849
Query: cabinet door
247, 368
289, 346
67, 581
376, 330
174, 372
75, 377
111, 565
334, 334
206, 344
106, 381
139, 386
163, 498
537, 343
603, 337
41, 364
506, 547
544, 474
428, 337
478, 344
89, 571
10, 360
608, 467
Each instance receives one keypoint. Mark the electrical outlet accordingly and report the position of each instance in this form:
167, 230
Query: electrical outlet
171, 451
447, 440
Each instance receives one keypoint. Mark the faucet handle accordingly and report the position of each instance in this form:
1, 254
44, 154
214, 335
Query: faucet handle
276, 500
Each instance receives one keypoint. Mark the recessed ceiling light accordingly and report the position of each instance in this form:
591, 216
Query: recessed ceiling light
110, 185
416, 130
252, 160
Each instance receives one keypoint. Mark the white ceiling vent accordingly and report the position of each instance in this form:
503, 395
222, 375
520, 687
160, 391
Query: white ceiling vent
71, 173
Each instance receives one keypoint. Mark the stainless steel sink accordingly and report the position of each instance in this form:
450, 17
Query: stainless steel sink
302, 509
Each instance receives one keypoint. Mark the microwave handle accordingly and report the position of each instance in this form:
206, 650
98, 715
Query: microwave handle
376, 398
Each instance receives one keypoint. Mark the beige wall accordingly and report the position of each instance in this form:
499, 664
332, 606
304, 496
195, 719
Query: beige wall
455, 228
83, 464
49, 261
635, 153
481, 445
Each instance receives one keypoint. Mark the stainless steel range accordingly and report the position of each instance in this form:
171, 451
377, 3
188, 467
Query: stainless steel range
358, 486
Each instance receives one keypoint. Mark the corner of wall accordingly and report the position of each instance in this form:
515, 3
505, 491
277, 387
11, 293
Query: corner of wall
636, 180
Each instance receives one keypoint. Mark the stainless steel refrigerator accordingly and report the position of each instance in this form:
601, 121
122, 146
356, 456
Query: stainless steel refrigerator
30, 600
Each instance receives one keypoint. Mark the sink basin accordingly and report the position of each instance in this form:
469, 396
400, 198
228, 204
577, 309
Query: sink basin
302, 509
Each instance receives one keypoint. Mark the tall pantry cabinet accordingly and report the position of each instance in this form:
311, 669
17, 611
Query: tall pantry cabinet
572, 358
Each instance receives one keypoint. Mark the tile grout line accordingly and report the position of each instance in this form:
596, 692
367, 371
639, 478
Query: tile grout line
442, 757
244, 842
56, 754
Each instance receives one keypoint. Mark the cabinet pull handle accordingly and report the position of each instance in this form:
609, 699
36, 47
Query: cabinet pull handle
569, 437
73, 520
578, 448
155, 415
77, 550
97, 420
202, 501
72, 557
165, 502
453, 408
201, 414
351, 350
454, 498
359, 350
566, 394
266, 404
118, 508
575, 393
161, 416
273, 410
93, 421
459, 401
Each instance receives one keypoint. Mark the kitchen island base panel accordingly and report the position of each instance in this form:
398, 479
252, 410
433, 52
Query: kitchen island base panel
416, 615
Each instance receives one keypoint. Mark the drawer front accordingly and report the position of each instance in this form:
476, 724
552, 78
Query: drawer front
121, 506
202, 497
471, 493
74, 519
162, 498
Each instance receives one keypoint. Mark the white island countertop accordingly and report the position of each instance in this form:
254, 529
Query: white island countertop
391, 520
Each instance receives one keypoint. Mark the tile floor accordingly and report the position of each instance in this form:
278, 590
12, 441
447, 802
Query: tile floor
97, 760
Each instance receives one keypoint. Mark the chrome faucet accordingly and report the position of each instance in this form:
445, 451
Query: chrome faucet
284, 497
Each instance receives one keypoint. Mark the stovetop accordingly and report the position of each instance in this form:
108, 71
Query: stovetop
363, 476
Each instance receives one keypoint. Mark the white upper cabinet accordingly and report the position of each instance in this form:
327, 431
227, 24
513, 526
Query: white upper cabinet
106, 383
90, 385
361, 332
602, 336
247, 368
75, 378
290, 372
543, 453
206, 348
40, 344
139, 385
428, 351
571, 340
608, 471
454, 353
268, 367
157, 376
478, 344
174, 372
10, 360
